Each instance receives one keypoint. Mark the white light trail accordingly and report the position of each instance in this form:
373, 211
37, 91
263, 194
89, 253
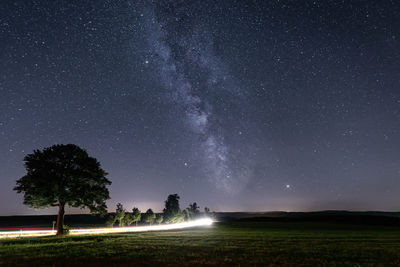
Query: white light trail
108, 230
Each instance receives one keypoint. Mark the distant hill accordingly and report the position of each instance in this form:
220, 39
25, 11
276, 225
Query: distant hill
334, 216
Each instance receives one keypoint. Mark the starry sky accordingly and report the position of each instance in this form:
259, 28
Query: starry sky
237, 105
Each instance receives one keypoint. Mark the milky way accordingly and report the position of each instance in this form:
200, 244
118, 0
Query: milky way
192, 75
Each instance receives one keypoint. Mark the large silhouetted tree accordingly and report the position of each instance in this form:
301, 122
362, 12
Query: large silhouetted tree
63, 175
172, 212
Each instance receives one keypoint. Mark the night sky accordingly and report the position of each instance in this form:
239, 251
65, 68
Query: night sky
237, 105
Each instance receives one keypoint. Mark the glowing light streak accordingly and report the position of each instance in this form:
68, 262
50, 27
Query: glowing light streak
108, 230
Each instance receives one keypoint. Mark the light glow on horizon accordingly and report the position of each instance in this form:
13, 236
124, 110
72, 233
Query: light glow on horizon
108, 230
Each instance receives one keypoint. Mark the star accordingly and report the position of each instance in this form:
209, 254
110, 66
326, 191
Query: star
235, 102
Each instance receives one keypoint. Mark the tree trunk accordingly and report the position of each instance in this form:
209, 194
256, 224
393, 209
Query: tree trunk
60, 219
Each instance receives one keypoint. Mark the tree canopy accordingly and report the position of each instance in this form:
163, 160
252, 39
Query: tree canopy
149, 216
63, 175
120, 214
193, 210
132, 217
172, 212
136, 214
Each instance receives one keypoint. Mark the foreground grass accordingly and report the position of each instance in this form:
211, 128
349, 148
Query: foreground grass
253, 243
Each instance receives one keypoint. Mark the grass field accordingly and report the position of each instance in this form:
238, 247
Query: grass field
234, 243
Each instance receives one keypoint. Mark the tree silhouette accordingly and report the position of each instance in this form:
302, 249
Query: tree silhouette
172, 212
193, 210
149, 216
136, 215
132, 217
120, 214
63, 175
206, 211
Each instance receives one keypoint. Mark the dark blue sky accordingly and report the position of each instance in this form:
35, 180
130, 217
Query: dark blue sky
238, 105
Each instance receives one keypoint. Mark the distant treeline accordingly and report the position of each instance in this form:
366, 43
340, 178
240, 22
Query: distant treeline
172, 213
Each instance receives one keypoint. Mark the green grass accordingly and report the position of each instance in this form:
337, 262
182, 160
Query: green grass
238, 243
